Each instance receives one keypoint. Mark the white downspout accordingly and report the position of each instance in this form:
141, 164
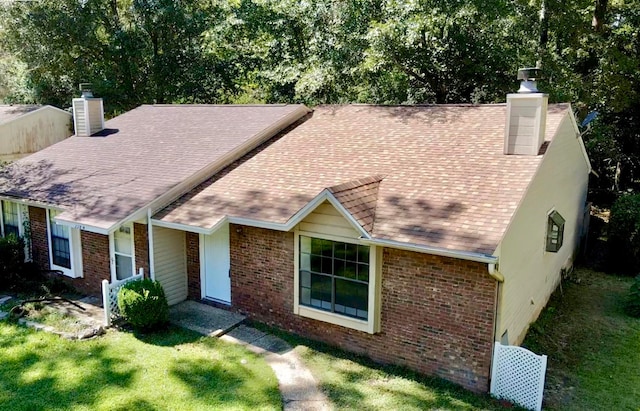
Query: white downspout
493, 272
152, 271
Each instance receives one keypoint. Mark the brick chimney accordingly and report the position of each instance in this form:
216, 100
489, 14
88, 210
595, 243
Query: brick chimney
88, 113
526, 116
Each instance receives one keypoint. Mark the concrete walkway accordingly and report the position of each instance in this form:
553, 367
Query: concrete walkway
203, 319
298, 387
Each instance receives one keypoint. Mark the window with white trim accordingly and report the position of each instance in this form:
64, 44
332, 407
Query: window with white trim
60, 243
64, 247
10, 219
334, 276
337, 281
123, 252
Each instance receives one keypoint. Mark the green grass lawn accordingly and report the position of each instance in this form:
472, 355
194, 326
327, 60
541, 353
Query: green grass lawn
593, 347
355, 383
171, 370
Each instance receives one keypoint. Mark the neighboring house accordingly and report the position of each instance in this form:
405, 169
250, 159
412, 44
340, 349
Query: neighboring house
26, 129
415, 235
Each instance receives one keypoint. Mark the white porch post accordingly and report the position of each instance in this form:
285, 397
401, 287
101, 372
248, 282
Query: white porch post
106, 303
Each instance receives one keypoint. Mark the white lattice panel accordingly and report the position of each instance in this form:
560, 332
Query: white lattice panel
110, 296
518, 376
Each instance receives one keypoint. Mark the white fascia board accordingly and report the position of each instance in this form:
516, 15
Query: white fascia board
83, 227
325, 195
30, 202
574, 123
178, 226
346, 214
444, 252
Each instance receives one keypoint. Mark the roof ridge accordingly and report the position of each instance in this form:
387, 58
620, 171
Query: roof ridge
350, 185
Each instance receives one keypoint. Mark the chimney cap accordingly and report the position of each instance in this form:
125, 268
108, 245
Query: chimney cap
529, 73
85, 89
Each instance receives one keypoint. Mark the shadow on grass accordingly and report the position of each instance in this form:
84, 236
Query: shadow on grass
350, 385
166, 336
135, 404
39, 371
219, 383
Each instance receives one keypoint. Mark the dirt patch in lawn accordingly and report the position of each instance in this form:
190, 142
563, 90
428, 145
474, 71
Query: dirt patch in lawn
78, 318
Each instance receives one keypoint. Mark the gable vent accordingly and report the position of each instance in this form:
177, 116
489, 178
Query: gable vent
88, 113
526, 116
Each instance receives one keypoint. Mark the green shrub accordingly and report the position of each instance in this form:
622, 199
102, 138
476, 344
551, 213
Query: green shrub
633, 300
624, 234
15, 273
142, 304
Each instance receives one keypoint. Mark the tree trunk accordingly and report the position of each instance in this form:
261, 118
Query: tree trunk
544, 33
598, 15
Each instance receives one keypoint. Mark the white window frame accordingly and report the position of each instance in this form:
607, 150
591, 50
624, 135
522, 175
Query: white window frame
75, 251
372, 324
21, 217
112, 253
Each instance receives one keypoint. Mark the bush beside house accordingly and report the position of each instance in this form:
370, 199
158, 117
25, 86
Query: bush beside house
143, 304
15, 273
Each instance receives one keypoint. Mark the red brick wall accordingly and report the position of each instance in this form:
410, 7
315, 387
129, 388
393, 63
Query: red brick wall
39, 239
95, 254
95, 262
437, 312
193, 265
141, 245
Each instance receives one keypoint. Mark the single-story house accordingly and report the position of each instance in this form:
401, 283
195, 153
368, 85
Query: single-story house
26, 129
415, 235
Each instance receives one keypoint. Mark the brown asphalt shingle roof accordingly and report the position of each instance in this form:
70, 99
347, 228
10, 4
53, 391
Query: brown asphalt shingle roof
359, 198
141, 154
428, 175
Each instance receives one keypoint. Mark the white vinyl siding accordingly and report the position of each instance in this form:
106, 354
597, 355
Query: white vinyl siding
170, 263
80, 117
34, 131
531, 273
325, 219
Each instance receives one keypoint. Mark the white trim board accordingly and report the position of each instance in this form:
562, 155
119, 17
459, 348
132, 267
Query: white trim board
326, 195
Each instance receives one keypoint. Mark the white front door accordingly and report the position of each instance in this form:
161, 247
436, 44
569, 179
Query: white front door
122, 260
217, 263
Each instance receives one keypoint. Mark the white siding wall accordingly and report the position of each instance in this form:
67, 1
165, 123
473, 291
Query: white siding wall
531, 273
325, 219
34, 131
94, 115
170, 263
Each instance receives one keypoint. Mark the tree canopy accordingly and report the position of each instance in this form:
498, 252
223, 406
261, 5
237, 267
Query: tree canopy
330, 51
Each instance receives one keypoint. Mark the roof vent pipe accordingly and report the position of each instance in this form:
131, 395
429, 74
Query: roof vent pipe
85, 90
527, 77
